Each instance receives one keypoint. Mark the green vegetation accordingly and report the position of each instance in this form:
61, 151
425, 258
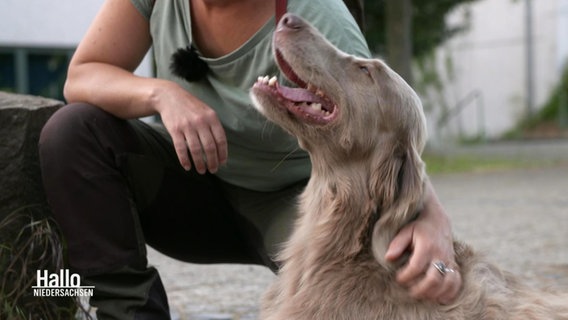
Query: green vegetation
553, 115
429, 28
437, 164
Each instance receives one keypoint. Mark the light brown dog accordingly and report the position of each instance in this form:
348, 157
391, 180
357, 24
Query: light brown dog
364, 129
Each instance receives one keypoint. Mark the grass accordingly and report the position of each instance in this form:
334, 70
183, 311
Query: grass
27, 245
439, 164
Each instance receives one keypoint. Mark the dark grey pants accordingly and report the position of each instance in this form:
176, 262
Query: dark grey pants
116, 185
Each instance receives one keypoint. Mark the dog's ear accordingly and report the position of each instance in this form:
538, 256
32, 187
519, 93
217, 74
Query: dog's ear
396, 174
397, 184
411, 177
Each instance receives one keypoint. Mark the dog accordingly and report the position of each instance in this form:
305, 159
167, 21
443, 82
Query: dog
365, 130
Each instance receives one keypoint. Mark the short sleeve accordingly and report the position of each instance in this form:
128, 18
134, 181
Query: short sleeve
144, 7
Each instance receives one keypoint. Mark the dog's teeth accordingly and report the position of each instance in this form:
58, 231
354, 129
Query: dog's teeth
319, 93
265, 79
316, 106
272, 81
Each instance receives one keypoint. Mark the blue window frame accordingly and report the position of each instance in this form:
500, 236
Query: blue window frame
36, 71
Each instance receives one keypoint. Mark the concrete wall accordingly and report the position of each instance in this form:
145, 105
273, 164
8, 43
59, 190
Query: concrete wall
489, 60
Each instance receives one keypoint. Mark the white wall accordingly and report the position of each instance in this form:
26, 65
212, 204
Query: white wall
562, 33
49, 23
45, 23
490, 59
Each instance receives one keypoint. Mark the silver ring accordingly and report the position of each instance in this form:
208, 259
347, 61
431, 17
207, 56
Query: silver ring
442, 268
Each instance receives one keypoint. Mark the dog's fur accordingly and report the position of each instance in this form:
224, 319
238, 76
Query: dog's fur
367, 181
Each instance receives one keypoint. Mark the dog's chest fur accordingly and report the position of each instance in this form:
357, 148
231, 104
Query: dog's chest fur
329, 268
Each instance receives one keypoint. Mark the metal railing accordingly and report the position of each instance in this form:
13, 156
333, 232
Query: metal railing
475, 98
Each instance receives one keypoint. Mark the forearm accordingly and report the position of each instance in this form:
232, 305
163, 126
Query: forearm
113, 89
434, 211
433, 207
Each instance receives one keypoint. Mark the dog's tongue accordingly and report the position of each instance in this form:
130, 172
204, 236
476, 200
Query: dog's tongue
299, 95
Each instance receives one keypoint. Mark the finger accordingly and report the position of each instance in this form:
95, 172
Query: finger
221, 141
196, 151
429, 286
180, 147
210, 150
399, 244
451, 288
416, 267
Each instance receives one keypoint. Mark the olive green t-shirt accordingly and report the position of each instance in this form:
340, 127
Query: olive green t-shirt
262, 156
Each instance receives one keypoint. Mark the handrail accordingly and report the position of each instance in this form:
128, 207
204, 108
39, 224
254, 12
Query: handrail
474, 96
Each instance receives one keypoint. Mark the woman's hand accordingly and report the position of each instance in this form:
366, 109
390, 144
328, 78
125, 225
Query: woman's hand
101, 73
194, 127
429, 239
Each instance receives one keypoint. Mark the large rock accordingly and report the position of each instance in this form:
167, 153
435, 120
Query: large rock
29, 239
21, 119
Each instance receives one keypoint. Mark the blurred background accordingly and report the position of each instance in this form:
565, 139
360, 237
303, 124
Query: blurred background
486, 69
37, 40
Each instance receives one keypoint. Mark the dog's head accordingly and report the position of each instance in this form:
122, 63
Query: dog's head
357, 103
349, 112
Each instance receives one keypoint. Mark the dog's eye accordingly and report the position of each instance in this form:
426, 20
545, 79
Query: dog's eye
366, 71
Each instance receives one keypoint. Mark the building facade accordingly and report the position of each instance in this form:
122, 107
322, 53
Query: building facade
487, 78
37, 39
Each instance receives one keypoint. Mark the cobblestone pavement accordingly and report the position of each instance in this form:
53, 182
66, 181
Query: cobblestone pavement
519, 218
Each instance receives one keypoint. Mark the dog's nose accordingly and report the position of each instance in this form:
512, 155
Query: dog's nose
291, 21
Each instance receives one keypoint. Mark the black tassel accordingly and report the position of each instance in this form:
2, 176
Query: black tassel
187, 64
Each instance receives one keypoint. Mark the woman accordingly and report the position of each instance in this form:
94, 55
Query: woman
215, 182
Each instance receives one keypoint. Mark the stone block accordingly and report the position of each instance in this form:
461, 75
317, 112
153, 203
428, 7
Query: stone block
29, 240
21, 119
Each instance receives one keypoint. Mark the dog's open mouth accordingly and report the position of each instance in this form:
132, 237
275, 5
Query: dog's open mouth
307, 102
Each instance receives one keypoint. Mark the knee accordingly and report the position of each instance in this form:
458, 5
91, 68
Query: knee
67, 128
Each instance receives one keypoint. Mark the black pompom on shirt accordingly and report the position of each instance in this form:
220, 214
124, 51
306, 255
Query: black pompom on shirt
187, 64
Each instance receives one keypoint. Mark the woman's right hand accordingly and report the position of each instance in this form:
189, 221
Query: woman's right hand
194, 128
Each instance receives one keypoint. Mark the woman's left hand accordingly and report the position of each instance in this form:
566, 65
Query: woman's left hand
429, 240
